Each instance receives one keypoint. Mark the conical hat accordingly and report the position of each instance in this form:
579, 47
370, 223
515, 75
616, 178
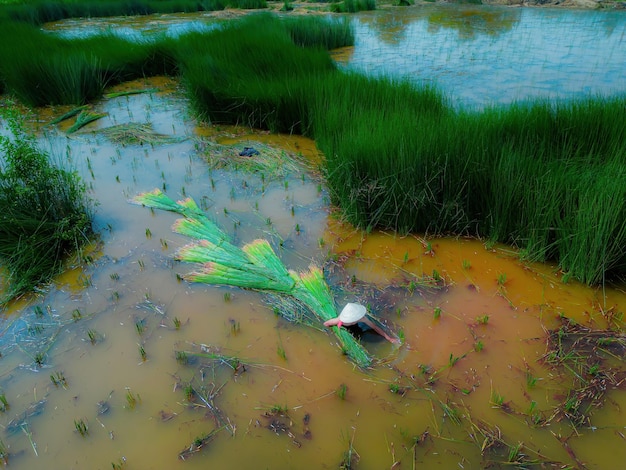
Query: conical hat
352, 313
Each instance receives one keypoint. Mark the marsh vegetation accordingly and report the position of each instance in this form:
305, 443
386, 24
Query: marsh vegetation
502, 363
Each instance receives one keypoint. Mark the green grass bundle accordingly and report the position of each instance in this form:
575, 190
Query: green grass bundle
313, 291
255, 266
84, 118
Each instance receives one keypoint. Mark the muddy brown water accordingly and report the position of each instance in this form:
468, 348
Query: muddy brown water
278, 394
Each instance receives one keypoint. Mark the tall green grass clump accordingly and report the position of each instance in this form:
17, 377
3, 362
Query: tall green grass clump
380, 138
544, 177
44, 212
315, 31
41, 69
251, 73
353, 6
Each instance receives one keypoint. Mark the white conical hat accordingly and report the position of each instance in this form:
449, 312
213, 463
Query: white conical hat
352, 313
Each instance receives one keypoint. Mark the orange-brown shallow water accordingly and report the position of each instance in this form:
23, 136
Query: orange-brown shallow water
459, 392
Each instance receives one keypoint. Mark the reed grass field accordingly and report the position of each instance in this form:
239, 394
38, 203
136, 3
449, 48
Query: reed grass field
545, 177
37, 12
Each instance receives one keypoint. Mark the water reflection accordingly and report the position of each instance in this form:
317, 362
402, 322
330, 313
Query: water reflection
496, 55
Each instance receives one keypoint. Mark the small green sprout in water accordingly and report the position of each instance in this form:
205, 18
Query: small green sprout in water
268, 221
531, 380
81, 427
117, 178
321, 242
235, 327
496, 400
148, 233
293, 211
119, 465
132, 399
189, 392
341, 391
514, 453
594, 369
286, 185
501, 279
278, 409
227, 297
39, 358
176, 323
58, 380
281, 352
436, 275
115, 296
142, 353
451, 412
4, 453
39, 312
34, 330
163, 243
141, 264
406, 257
401, 336
84, 281
93, 336
4, 404
437, 312
114, 276
298, 229
182, 358
466, 264
483, 319
478, 346
140, 326
76, 315
452, 360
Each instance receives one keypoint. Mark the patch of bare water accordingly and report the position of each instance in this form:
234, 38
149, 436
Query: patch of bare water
121, 364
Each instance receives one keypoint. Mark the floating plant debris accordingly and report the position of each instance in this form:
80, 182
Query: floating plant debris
134, 133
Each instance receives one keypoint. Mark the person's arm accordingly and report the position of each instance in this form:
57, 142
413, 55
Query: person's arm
379, 330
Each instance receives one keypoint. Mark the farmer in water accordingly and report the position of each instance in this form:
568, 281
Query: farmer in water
356, 314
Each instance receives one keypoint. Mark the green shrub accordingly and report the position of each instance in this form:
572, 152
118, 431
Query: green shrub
44, 212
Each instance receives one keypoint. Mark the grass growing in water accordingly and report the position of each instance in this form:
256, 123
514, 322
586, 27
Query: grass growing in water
544, 177
44, 212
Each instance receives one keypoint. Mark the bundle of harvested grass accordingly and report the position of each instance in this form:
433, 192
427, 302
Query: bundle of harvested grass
84, 118
134, 133
255, 266
268, 161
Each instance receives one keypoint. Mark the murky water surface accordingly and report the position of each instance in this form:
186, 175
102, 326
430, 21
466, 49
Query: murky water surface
470, 387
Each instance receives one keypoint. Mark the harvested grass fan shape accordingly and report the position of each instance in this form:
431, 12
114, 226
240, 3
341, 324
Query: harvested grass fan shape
254, 266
